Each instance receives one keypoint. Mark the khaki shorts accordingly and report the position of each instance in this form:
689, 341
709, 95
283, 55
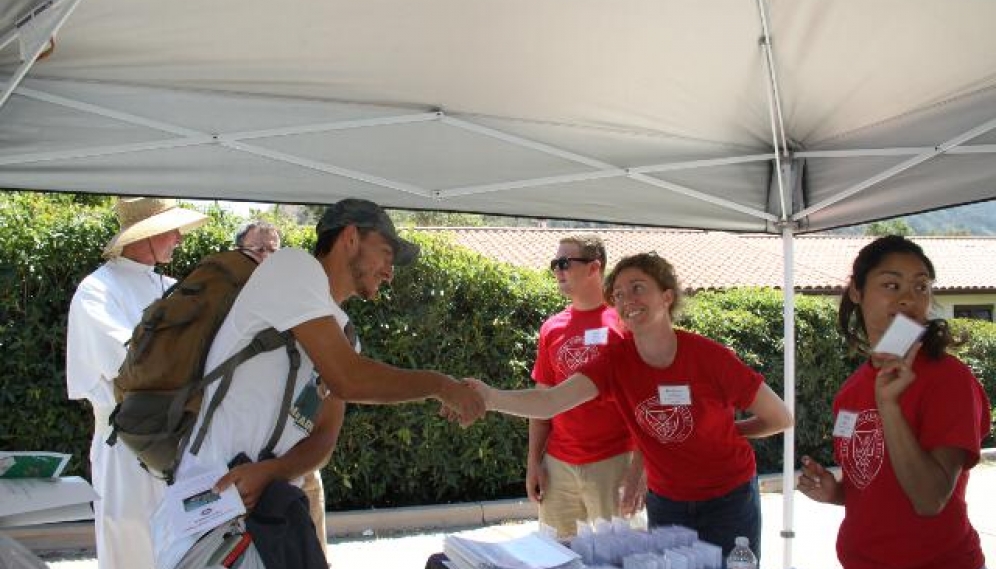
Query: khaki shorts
313, 489
581, 492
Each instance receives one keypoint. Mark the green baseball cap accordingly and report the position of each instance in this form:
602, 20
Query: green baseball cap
365, 213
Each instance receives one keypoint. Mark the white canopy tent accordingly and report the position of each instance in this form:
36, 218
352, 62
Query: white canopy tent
742, 115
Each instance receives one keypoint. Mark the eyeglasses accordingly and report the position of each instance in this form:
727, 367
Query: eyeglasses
564, 263
260, 250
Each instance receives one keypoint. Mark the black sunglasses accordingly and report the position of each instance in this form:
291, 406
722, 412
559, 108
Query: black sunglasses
564, 263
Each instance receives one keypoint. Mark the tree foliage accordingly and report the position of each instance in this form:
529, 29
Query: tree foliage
453, 310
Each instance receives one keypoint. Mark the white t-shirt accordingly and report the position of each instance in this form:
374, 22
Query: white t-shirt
287, 289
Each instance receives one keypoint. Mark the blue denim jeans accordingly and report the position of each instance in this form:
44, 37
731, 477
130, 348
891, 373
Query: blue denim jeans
718, 521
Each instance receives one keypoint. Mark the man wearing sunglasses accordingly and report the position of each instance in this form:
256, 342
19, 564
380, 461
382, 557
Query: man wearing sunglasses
581, 465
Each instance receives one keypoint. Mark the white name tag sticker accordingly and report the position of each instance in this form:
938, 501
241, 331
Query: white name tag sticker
844, 426
596, 336
675, 394
902, 333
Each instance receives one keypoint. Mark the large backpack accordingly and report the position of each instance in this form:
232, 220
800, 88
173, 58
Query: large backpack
160, 385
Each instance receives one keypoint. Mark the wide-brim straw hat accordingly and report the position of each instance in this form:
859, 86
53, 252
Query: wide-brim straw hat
141, 218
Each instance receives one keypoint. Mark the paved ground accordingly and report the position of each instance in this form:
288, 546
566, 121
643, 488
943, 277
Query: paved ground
815, 526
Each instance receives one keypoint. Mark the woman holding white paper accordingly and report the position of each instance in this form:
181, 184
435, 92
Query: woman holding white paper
907, 427
677, 393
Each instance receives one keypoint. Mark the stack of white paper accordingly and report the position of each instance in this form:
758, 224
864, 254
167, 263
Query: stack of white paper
533, 551
31, 491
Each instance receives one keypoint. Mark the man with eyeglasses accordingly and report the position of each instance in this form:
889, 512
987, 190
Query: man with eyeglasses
258, 239
581, 464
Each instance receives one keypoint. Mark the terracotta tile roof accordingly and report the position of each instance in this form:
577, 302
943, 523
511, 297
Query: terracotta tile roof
718, 260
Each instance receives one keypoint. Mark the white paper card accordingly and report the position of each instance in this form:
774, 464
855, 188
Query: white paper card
675, 394
900, 336
193, 507
844, 426
596, 336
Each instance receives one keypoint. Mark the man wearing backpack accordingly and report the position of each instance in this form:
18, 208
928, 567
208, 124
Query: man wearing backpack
105, 308
260, 239
356, 251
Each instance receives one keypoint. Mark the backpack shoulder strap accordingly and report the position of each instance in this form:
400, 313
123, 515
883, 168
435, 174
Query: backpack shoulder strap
278, 430
265, 341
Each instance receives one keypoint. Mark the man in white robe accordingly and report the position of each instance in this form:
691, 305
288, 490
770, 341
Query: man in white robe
105, 309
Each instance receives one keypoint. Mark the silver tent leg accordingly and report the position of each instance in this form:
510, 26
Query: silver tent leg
788, 455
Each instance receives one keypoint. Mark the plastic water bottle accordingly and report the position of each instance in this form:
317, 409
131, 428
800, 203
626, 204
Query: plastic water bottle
741, 557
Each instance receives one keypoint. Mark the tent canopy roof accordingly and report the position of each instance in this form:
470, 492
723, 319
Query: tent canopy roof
653, 113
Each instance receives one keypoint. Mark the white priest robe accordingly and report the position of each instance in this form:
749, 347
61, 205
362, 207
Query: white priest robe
105, 309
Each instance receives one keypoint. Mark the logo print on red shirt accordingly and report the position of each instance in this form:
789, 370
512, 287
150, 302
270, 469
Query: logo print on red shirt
668, 424
862, 455
573, 354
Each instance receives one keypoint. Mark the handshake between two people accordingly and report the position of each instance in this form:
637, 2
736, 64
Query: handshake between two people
464, 401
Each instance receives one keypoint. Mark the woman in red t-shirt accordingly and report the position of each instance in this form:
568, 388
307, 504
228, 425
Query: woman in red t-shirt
677, 393
907, 429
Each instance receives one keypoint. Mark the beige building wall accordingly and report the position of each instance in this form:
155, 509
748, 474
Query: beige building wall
947, 302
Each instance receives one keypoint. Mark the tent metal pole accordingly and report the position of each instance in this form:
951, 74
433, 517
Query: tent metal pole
327, 168
331, 126
788, 454
606, 170
35, 30
694, 164
780, 144
899, 168
108, 113
602, 174
908, 151
7, 38
530, 183
774, 105
526, 143
95, 152
679, 189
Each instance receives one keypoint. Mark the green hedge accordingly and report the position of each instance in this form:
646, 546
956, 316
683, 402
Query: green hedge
453, 310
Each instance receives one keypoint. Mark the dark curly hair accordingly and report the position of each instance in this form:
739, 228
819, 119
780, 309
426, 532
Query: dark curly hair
937, 338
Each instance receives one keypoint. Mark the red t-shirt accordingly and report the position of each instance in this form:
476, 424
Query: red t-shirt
944, 406
691, 447
592, 431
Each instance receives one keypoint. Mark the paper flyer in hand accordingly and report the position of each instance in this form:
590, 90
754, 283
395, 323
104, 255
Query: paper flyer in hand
194, 507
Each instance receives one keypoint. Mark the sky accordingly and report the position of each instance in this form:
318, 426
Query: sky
241, 208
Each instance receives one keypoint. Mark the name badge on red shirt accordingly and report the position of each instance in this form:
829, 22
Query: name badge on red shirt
675, 394
844, 426
596, 336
